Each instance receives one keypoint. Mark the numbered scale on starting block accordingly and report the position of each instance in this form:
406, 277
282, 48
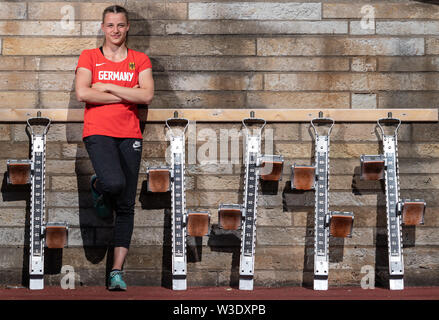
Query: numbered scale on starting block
25, 172
326, 223
399, 212
243, 217
184, 222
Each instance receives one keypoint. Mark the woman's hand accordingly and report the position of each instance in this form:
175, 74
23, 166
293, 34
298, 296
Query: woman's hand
92, 94
106, 87
142, 94
100, 86
144, 89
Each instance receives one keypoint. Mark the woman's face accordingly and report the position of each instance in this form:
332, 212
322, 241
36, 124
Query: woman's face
115, 27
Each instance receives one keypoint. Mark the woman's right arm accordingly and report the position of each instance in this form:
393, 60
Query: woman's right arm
85, 93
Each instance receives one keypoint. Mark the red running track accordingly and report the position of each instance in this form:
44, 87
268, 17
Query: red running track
219, 293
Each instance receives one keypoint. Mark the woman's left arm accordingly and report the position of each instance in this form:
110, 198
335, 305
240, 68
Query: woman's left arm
138, 95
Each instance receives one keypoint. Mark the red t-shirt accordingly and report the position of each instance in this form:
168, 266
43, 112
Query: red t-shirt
119, 120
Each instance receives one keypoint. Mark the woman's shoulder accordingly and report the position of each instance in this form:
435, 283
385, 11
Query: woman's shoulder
139, 54
89, 52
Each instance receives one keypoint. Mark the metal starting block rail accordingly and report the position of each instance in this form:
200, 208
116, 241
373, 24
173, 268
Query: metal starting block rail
183, 222
235, 216
399, 212
326, 223
23, 172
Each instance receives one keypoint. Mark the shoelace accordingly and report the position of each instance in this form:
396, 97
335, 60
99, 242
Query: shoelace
113, 273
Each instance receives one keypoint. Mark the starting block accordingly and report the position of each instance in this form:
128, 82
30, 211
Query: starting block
158, 179
19, 172
303, 177
271, 167
398, 212
258, 168
198, 223
372, 167
56, 235
172, 179
412, 212
340, 224
22, 172
230, 216
336, 224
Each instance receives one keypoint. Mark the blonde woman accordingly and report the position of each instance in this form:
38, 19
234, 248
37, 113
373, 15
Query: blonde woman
112, 80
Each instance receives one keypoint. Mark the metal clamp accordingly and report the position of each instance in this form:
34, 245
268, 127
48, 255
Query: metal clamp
389, 121
252, 120
39, 121
175, 121
322, 120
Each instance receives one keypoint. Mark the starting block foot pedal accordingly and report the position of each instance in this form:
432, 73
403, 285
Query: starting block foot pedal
56, 235
372, 167
412, 212
230, 216
271, 168
19, 172
303, 177
198, 223
340, 224
158, 179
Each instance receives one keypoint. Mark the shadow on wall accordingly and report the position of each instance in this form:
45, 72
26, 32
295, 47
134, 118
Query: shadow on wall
428, 1
149, 201
227, 241
302, 201
360, 188
20, 193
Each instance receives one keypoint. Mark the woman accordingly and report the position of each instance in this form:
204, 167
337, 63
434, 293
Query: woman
112, 80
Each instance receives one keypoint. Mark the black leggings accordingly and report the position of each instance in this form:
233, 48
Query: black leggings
116, 162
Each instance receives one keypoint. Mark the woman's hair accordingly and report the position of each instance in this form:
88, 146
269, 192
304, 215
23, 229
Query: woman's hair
115, 9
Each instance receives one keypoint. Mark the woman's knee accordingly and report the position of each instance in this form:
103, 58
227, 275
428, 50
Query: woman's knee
113, 187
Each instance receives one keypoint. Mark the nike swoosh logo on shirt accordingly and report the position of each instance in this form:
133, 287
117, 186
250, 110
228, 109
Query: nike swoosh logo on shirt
99, 64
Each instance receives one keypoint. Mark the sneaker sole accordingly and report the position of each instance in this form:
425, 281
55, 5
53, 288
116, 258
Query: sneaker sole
117, 288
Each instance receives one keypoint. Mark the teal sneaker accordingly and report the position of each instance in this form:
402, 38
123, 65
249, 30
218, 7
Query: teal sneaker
103, 207
116, 282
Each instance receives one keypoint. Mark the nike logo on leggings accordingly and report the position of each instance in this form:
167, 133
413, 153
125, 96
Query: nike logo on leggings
137, 145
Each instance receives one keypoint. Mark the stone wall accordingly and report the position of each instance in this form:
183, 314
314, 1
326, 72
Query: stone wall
285, 54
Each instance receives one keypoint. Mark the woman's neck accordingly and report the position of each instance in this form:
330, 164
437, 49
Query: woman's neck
115, 53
